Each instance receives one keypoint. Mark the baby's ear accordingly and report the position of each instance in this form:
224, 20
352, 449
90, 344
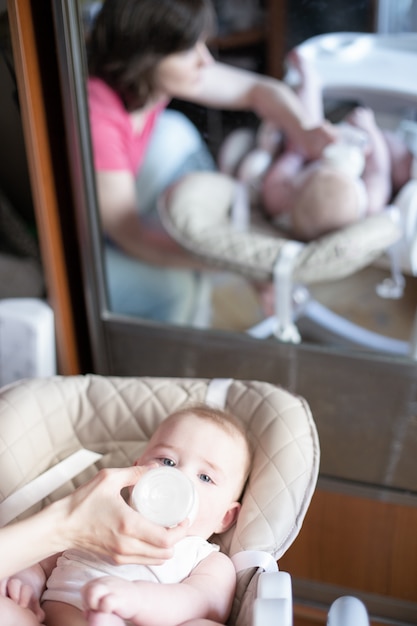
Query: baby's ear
229, 518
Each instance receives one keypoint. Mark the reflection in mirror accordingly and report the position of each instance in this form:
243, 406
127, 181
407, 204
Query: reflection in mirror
140, 257
148, 274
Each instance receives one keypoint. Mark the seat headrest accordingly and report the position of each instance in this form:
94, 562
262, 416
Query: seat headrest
43, 421
196, 213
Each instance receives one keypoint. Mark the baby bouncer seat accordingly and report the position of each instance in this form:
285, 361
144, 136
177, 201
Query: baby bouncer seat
206, 212
57, 432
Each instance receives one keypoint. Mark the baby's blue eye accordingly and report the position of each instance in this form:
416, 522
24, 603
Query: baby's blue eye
205, 478
168, 462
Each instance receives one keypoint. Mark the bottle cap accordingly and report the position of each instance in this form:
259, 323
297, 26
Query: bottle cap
165, 496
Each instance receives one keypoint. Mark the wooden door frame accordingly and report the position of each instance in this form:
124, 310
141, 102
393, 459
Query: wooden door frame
39, 95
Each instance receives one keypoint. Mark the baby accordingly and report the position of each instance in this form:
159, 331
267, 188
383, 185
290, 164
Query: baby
211, 448
357, 175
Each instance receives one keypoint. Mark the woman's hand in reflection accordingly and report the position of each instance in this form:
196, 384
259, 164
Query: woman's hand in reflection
313, 140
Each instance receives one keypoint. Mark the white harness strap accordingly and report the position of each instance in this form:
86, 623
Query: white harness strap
240, 213
43, 485
363, 199
254, 558
217, 389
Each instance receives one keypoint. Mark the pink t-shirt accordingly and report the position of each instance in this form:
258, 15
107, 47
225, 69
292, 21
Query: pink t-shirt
116, 145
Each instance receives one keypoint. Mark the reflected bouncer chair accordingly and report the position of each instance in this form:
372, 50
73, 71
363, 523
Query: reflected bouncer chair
207, 212
57, 432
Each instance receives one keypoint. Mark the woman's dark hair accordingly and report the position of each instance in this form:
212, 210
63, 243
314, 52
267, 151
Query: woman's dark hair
130, 37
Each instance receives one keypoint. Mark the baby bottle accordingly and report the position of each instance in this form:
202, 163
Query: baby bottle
165, 496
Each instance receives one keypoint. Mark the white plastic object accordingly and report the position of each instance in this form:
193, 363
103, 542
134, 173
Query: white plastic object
348, 611
165, 496
285, 329
393, 287
240, 210
274, 585
273, 604
27, 339
272, 612
354, 66
405, 212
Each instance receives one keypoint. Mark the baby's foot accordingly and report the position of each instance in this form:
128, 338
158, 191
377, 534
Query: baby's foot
364, 119
309, 87
377, 174
104, 619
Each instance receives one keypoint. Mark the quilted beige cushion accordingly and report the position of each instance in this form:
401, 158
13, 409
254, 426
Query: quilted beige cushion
43, 421
196, 213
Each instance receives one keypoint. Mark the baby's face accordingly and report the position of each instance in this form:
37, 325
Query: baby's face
211, 458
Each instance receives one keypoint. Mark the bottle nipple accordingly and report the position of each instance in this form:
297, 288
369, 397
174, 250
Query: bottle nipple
165, 496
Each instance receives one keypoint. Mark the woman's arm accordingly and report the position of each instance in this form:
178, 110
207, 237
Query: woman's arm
94, 517
121, 221
223, 86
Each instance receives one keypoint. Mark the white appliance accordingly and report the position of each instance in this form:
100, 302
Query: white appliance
27, 339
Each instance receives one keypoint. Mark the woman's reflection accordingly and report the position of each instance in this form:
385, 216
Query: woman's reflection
141, 54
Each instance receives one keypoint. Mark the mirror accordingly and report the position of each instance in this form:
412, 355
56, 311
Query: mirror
233, 304
236, 304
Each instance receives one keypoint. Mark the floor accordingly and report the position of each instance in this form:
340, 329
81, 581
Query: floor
356, 298
236, 306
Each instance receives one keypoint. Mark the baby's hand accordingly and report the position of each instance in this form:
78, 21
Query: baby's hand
22, 594
110, 595
316, 139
